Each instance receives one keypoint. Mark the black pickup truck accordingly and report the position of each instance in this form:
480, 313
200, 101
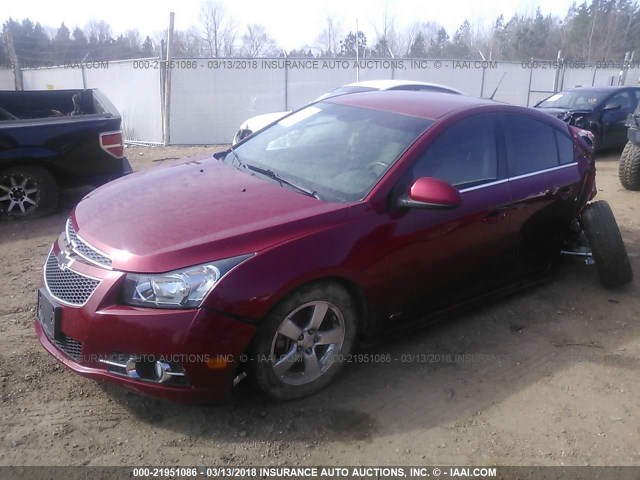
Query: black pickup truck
55, 139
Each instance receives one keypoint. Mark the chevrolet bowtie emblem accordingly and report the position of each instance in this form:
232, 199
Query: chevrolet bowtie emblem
64, 259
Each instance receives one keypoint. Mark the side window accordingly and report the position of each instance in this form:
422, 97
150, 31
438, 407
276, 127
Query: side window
530, 145
565, 148
637, 94
624, 100
464, 154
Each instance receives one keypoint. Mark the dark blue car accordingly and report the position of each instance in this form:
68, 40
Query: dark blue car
601, 110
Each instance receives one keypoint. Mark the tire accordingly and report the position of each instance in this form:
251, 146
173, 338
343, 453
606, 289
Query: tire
291, 359
27, 192
606, 244
629, 169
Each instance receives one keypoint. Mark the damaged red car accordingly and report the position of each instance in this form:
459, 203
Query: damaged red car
349, 219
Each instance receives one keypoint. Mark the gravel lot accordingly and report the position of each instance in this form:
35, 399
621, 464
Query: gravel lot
550, 377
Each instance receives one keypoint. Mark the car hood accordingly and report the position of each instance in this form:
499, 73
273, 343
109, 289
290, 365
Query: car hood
193, 212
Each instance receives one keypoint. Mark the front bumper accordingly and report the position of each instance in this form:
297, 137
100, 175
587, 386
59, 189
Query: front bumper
206, 345
634, 136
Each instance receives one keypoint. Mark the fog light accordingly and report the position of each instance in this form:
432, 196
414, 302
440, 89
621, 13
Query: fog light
131, 368
162, 371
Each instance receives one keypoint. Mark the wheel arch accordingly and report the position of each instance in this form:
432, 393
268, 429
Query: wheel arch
27, 159
353, 289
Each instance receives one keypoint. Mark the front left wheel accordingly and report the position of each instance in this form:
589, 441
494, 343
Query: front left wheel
300, 346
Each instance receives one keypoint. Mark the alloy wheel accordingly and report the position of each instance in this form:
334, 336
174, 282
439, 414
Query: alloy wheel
307, 342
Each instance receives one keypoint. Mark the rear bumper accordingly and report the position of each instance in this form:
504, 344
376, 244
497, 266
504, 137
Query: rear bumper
126, 167
101, 179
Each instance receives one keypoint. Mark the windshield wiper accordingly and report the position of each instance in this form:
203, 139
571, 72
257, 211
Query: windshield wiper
236, 158
283, 181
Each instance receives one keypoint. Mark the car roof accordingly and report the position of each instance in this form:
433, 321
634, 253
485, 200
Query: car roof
429, 105
389, 84
598, 89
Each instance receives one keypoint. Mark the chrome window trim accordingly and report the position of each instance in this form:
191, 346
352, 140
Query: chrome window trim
484, 185
539, 172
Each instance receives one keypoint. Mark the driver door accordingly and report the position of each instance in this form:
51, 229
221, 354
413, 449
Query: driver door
445, 256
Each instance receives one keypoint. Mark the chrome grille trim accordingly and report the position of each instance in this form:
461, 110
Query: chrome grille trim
68, 286
84, 250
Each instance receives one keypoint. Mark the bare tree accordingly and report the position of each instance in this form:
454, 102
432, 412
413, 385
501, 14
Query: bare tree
214, 26
186, 43
256, 42
132, 38
386, 38
229, 33
419, 32
328, 41
98, 29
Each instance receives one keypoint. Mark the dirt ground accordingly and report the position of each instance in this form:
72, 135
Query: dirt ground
550, 378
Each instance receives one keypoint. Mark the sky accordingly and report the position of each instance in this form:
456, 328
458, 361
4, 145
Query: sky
293, 23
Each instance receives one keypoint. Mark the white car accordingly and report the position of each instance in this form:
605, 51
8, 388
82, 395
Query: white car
260, 121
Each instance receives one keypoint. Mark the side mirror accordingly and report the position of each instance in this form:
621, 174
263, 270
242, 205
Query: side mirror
612, 106
428, 192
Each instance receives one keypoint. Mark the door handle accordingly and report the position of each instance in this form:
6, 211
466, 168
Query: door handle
563, 193
495, 216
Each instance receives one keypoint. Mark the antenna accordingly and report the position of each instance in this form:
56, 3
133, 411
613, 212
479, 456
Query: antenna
497, 86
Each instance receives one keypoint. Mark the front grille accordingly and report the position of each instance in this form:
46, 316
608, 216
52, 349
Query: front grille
71, 347
66, 285
84, 250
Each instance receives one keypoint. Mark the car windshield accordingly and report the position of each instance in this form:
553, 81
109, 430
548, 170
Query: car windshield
333, 152
579, 99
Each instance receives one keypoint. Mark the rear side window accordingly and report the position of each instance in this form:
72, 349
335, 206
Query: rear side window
565, 148
463, 155
530, 144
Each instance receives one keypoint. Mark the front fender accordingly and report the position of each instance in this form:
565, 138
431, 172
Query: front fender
253, 288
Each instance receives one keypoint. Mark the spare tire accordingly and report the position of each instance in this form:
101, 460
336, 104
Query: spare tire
629, 169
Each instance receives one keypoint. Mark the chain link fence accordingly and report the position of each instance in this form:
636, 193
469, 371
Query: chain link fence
209, 98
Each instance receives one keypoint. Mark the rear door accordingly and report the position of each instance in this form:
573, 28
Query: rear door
545, 182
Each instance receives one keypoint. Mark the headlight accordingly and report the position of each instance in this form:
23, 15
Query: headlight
186, 287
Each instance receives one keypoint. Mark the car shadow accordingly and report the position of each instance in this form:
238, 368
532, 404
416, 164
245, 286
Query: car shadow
439, 376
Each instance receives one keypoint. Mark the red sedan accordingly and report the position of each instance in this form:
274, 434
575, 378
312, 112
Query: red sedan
348, 219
